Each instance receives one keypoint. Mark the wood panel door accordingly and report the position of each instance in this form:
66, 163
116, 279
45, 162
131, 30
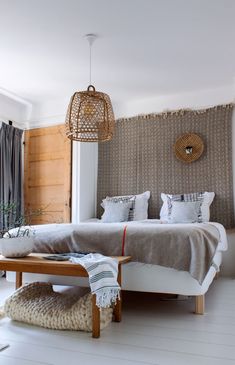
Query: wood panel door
47, 174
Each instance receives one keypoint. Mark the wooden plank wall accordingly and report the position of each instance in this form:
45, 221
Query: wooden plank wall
47, 174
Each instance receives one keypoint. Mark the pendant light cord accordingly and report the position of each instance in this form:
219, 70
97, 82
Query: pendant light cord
90, 38
90, 63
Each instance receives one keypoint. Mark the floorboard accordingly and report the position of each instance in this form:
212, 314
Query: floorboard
153, 331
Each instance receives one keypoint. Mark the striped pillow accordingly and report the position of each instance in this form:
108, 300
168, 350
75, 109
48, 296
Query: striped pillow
121, 200
116, 212
139, 208
191, 197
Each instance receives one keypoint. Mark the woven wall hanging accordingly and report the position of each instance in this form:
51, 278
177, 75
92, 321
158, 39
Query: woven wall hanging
141, 157
189, 147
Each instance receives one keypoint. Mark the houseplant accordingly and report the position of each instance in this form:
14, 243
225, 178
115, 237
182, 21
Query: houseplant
16, 233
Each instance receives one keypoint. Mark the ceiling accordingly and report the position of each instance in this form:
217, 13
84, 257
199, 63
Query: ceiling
145, 47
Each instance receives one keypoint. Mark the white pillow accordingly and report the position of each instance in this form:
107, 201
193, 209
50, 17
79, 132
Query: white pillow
116, 212
184, 212
139, 208
206, 198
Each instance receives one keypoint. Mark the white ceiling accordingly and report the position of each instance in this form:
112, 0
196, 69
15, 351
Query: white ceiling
145, 47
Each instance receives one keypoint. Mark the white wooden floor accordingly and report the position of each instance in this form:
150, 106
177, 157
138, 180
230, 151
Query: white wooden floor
152, 332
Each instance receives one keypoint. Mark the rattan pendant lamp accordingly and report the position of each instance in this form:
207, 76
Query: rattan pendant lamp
90, 115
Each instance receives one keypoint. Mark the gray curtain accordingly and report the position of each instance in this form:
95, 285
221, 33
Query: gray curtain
10, 171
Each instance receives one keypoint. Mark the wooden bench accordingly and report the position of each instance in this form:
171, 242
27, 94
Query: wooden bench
35, 263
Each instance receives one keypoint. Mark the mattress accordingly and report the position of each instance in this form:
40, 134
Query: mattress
139, 276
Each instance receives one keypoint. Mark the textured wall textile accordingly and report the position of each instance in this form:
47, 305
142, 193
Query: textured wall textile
140, 157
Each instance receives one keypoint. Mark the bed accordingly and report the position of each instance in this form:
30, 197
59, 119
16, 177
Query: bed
137, 275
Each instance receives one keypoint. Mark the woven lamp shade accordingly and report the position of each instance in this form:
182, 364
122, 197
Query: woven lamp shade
90, 116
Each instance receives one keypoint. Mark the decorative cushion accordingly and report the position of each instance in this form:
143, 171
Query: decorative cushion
116, 212
139, 208
38, 304
185, 212
205, 198
124, 199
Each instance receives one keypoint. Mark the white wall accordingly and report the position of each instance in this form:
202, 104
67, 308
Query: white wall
54, 111
194, 100
84, 181
51, 112
12, 110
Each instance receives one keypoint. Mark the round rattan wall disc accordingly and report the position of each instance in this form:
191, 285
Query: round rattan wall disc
189, 147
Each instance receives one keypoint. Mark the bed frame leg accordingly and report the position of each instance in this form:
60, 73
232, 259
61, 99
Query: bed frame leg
200, 304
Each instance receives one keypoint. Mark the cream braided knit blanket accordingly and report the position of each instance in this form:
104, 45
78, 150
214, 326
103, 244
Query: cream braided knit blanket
39, 304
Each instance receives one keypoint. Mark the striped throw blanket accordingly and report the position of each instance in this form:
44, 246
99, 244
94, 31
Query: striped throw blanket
102, 272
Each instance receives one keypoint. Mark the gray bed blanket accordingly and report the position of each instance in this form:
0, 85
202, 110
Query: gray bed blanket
186, 247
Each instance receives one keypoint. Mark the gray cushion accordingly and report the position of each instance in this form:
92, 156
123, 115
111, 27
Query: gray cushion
184, 212
116, 212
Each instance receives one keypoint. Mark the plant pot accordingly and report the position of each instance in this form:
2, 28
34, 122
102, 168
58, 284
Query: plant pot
16, 246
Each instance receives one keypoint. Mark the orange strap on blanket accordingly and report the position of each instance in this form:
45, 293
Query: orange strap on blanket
123, 241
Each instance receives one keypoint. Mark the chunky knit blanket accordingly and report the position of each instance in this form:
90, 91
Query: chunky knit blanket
102, 271
39, 304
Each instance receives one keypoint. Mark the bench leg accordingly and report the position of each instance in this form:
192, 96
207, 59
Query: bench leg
18, 280
95, 318
117, 311
200, 304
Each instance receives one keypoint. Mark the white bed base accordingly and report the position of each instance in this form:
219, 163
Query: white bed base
145, 278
